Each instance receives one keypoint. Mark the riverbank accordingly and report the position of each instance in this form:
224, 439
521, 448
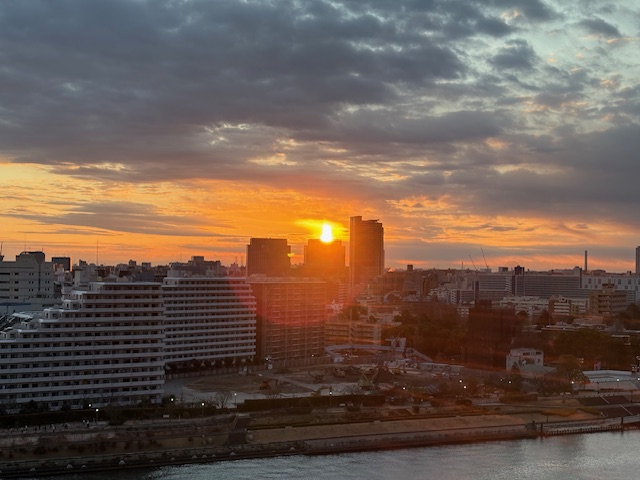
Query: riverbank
238, 437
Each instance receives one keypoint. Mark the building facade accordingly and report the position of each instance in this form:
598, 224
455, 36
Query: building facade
607, 302
522, 357
103, 346
27, 283
324, 260
366, 253
268, 256
291, 315
209, 320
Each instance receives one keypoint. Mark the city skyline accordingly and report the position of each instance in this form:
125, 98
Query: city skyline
155, 130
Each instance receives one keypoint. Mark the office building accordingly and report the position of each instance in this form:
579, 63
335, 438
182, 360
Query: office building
209, 320
327, 261
322, 259
269, 256
637, 260
366, 253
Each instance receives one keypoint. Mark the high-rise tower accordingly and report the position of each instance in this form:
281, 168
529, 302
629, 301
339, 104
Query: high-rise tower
269, 256
322, 259
366, 252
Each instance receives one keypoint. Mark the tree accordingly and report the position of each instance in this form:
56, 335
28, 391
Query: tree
522, 318
222, 398
516, 378
543, 319
570, 369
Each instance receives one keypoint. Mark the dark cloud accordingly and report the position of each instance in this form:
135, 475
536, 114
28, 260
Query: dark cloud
516, 54
598, 26
120, 79
582, 176
124, 217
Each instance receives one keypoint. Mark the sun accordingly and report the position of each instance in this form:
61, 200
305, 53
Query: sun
327, 235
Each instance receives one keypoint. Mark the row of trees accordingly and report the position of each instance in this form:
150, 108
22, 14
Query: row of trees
593, 347
438, 331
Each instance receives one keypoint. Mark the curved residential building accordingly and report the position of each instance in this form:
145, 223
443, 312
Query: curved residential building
104, 346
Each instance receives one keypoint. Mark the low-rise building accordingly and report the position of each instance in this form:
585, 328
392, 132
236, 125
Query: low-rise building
607, 301
523, 357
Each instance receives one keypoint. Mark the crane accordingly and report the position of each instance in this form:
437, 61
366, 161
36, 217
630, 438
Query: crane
485, 259
473, 263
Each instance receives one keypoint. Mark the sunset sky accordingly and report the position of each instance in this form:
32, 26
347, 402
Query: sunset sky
158, 130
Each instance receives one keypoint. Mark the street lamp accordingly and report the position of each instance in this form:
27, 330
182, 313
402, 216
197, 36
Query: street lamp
235, 399
97, 410
202, 409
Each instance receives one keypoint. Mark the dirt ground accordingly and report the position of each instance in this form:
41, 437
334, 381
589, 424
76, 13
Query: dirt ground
313, 380
185, 434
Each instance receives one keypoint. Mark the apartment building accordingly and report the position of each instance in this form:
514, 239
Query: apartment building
340, 331
209, 319
291, 314
26, 283
104, 345
608, 301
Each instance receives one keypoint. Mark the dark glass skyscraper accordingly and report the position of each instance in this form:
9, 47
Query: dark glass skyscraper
366, 252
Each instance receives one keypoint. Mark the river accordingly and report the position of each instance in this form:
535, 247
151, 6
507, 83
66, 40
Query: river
609, 455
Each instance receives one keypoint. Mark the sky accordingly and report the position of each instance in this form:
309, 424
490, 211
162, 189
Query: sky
479, 132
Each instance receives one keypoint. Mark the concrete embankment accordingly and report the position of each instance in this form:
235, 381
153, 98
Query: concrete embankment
323, 446
317, 440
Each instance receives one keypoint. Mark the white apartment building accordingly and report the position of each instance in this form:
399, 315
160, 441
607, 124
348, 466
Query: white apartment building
533, 306
26, 283
209, 319
523, 357
566, 307
103, 346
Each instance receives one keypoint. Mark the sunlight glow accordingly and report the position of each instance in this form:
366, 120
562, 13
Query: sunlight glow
327, 234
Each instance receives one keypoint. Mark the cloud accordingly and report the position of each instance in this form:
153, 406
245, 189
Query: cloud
487, 109
516, 54
597, 26
123, 217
